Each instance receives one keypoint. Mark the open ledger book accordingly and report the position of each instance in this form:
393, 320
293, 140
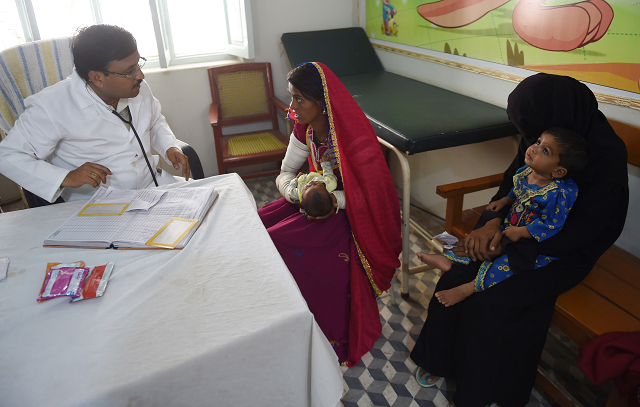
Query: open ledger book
142, 219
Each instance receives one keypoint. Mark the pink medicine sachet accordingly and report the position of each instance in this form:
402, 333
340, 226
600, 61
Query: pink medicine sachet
62, 282
51, 266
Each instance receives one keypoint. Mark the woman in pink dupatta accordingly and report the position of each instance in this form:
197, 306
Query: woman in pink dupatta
344, 261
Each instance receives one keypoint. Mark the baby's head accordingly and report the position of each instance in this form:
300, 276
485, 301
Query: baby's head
316, 200
559, 152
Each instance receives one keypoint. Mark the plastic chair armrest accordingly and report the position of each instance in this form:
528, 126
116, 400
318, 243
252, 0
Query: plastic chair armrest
194, 161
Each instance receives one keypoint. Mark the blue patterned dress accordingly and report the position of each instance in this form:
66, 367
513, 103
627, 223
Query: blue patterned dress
542, 209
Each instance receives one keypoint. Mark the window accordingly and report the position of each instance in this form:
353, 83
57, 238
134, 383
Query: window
168, 32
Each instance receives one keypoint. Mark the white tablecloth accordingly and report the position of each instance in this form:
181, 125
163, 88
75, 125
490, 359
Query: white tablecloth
220, 323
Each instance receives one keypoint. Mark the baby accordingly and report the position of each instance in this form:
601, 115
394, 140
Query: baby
540, 201
314, 190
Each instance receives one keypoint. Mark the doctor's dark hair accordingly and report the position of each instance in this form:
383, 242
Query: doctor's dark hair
95, 46
306, 79
574, 150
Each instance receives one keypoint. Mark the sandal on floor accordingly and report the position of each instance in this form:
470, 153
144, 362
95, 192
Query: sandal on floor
423, 382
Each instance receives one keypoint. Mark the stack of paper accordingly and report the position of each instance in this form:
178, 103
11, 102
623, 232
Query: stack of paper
136, 218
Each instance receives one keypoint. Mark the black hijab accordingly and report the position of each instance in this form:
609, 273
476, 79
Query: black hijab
543, 101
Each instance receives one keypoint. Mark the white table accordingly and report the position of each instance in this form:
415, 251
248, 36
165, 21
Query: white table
220, 323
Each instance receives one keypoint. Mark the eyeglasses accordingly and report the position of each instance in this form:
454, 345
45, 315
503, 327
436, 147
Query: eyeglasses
133, 71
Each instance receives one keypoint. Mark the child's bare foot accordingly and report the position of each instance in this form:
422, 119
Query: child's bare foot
435, 260
456, 294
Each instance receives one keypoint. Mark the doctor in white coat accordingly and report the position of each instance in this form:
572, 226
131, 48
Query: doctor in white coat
73, 124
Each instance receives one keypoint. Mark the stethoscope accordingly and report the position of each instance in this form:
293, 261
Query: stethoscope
130, 123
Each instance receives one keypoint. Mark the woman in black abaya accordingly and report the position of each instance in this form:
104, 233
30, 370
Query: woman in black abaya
491, 342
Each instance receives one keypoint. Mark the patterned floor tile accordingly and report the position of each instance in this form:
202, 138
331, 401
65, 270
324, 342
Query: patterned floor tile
378, 399
365, 401
403, 402
385, 376
352, 396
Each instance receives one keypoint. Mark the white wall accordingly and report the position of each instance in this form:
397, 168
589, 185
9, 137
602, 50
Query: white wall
185, 98
273, 18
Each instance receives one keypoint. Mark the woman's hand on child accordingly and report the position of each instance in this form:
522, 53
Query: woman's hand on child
460, 250
483, 243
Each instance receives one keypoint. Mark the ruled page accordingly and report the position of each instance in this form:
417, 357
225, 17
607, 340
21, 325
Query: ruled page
184, 203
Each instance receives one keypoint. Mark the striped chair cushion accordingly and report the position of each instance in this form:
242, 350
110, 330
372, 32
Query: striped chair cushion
26, 70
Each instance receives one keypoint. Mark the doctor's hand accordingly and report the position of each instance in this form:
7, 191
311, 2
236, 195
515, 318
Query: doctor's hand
177, 158
88, 173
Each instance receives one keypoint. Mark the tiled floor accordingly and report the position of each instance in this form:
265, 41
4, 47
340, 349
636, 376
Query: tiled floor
384, 377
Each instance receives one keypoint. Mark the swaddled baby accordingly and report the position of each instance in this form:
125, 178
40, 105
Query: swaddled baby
314, 190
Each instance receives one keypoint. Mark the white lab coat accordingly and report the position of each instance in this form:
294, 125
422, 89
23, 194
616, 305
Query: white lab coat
71, 126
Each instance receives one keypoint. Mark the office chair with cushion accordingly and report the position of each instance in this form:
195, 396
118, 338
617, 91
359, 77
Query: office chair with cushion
28, 68
243, 94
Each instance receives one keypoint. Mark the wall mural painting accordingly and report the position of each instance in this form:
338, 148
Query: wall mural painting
596, 41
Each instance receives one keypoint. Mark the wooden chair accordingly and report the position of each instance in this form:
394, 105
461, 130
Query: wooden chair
605, 301
243, 94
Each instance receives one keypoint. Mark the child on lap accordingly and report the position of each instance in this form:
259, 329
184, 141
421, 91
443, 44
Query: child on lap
314, 190
540, 201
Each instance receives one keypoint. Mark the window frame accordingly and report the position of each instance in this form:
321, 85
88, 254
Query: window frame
162, 29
